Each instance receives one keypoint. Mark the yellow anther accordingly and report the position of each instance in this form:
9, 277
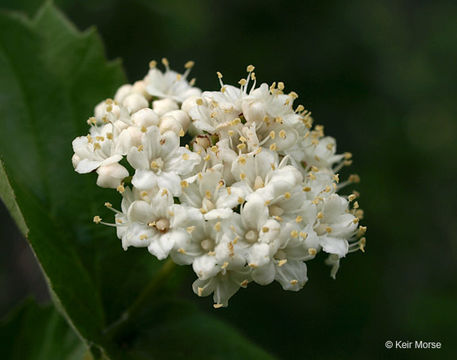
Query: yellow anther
189, 64
241, 146
282, 134
250, 68
312, 251
219, 75
328, 229
272, 134
287, 195
108, 205
293, 282
362, 243
265, 229
207, 158
303, 234
185, 156
199, 101
281, 85
243, 139
347, 155
97, 146
240, 200
152, 64
273, 147
242, 176
165, 62
184, 184
242, 82
224, 265
294, 233
164, 192
190, 229
200, 292
97, 219
307, 189
143, 237
336, 178
120, 188
298, 219
320, 215
217, 306
282, 262
242, 160
229, 190
244, 283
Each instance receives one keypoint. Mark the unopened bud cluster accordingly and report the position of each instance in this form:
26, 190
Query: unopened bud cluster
236, 182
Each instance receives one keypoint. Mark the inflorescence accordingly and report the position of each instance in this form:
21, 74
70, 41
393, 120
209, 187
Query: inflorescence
236, 182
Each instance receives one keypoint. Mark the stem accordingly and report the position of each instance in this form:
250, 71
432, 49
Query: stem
136, 307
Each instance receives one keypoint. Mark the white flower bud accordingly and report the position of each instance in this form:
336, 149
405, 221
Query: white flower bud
110, 176
127, 139
189, 103
175, 121
140, 88
163, 106
135, 102
123, 92
75, 159
145, 117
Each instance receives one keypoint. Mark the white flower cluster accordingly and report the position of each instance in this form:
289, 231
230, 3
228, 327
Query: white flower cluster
236, 182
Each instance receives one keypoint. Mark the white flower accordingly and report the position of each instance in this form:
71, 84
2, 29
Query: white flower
207, 192
159, 160
336, 225
97, 151
157, 225
232, 275
251, 197
255, 233
170, 84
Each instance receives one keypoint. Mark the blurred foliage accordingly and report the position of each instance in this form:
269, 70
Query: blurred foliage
380, 75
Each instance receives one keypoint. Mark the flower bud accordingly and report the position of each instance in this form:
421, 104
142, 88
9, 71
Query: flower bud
135, 102
123, 92
140, 88
110, 176
163, 106
175, 121
145, 117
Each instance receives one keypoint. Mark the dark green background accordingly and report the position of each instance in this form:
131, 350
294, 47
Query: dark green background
382, 78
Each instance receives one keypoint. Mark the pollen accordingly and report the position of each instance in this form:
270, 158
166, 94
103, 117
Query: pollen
97, 219
312, 251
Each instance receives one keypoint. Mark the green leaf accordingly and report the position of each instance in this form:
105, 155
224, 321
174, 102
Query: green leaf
183, 332
32, 332
52, 76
